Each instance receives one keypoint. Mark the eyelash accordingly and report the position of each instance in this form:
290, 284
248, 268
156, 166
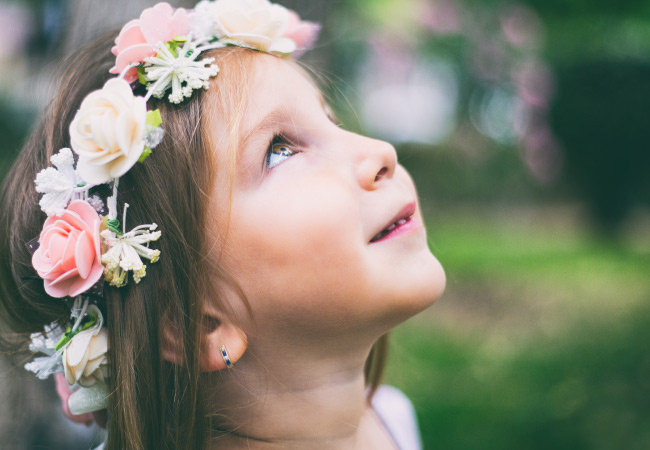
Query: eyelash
278, 141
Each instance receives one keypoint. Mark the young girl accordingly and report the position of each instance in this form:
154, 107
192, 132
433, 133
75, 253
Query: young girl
280, 248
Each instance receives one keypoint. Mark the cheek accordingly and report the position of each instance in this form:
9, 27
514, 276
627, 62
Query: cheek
296, 250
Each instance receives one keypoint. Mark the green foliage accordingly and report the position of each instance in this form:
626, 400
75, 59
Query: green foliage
601, 116
15, 121
574, 9
538, 343
487, 173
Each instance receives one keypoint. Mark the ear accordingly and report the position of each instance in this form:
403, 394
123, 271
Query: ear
214, 333
171, 345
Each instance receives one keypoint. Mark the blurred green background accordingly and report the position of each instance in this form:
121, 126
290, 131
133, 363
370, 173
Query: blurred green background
526, 127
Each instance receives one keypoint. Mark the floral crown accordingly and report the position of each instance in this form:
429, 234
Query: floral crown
82, 238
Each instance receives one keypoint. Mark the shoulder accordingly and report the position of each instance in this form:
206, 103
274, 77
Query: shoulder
398, 415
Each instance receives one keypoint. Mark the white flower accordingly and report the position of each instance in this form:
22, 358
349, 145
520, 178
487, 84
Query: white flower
84, 357
125, 253
108, 132
257, 24
179, 70
44, 366
84, 360
61, 185
79, 351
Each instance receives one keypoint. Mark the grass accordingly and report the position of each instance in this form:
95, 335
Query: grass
539, 342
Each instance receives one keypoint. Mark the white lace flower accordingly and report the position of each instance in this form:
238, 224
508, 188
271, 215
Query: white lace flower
179, 69
125, 252
44, 366
60, 185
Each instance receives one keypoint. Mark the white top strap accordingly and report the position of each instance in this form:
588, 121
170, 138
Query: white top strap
396, 412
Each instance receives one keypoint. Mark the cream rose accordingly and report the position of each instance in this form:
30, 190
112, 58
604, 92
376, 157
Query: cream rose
84, 360
258, 24
108, 132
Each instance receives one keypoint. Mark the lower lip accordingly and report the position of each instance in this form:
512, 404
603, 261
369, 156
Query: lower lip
411, 224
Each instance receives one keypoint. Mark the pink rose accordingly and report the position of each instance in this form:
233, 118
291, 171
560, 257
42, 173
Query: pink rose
302, 32
68, 256
139, 38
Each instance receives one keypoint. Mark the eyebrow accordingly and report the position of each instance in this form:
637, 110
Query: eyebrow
279, 115
269, 122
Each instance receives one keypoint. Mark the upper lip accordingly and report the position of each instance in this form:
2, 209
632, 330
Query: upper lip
406, 212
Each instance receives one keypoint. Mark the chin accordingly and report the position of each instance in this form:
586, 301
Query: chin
430, 287
436, 286
426, 276
415, 293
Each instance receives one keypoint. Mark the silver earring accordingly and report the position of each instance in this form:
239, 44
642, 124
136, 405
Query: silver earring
224, 355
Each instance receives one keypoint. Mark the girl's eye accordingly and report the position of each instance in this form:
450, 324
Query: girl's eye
277, 153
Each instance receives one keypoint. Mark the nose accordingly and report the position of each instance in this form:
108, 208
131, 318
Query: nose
376, 162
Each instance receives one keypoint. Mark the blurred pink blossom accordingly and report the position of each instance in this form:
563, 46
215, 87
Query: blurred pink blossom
535, 83
542, 154
302, 32
442, 16
521, 26
16, 25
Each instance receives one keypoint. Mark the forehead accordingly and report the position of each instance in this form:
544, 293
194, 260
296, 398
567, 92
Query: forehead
278, 88
259, 91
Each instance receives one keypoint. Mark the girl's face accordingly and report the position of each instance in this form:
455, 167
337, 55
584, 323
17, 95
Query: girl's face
310, 202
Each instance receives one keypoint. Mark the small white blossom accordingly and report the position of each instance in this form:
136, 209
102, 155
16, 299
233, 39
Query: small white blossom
178, 69
154, 136
60, 185
45, 342
125, 253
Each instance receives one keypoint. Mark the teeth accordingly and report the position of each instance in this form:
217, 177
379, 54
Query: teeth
389, 229
396, 224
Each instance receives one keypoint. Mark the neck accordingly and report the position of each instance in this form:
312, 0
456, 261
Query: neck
260, 404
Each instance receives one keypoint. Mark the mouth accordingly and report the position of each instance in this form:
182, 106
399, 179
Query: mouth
397, 224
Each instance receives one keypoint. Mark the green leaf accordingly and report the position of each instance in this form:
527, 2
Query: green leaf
172, 46
64, 340
154, 118
88, 321
141, 78
145, 153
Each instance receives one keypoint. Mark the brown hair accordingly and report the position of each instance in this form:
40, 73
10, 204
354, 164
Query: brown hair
153, 403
